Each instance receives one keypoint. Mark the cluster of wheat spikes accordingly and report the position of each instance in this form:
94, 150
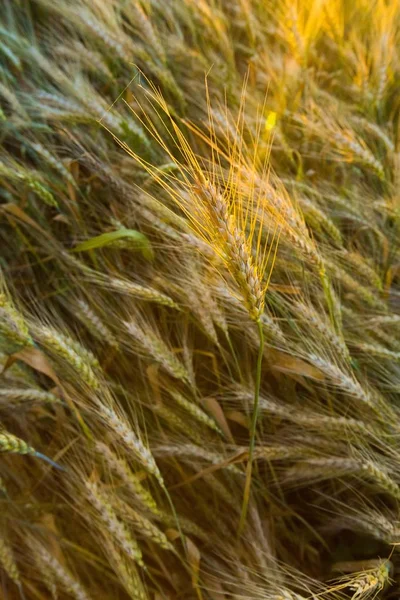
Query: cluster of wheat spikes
199, 299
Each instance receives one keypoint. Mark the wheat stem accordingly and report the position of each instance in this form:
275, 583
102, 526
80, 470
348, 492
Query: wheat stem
253, 427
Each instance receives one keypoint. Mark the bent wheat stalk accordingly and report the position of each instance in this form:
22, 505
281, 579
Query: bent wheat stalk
233, 217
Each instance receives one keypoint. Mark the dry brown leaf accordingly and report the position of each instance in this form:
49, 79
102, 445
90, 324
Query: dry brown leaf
193, 554
280, 361
62, 219
35, 359
153, 376
238, 417
214, 588
172, 534
236, 458
215, 410
38, 361
194, 557
17, 212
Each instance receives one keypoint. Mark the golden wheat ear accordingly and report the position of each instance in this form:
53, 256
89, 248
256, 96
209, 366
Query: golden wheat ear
228, 213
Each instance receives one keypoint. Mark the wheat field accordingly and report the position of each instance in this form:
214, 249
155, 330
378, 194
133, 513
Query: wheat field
199, 299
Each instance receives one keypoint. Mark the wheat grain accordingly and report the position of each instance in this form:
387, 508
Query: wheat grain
14, 333
190, 451
139, 291
90, 59
126, 571
364, 269
71, 585
361, 153
95, 325
22, 395
131, 441
144, 526
375, 350
92, 25
80, 359
12, 444
177, 424
238, 254
158, 350
378, 475
340, 379
132, 481
194, 410
319, 221
324, 328
143, 24
53, 162
108, 517
7, 561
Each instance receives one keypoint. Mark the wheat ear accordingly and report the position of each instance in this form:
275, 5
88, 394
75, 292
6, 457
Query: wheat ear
131, 441
71, 585
132, 481
13, 445
8, 563
115, 526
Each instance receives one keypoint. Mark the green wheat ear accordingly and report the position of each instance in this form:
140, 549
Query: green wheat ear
11, 444
14, 333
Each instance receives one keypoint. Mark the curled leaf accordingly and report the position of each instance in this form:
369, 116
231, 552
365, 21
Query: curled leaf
128, 237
